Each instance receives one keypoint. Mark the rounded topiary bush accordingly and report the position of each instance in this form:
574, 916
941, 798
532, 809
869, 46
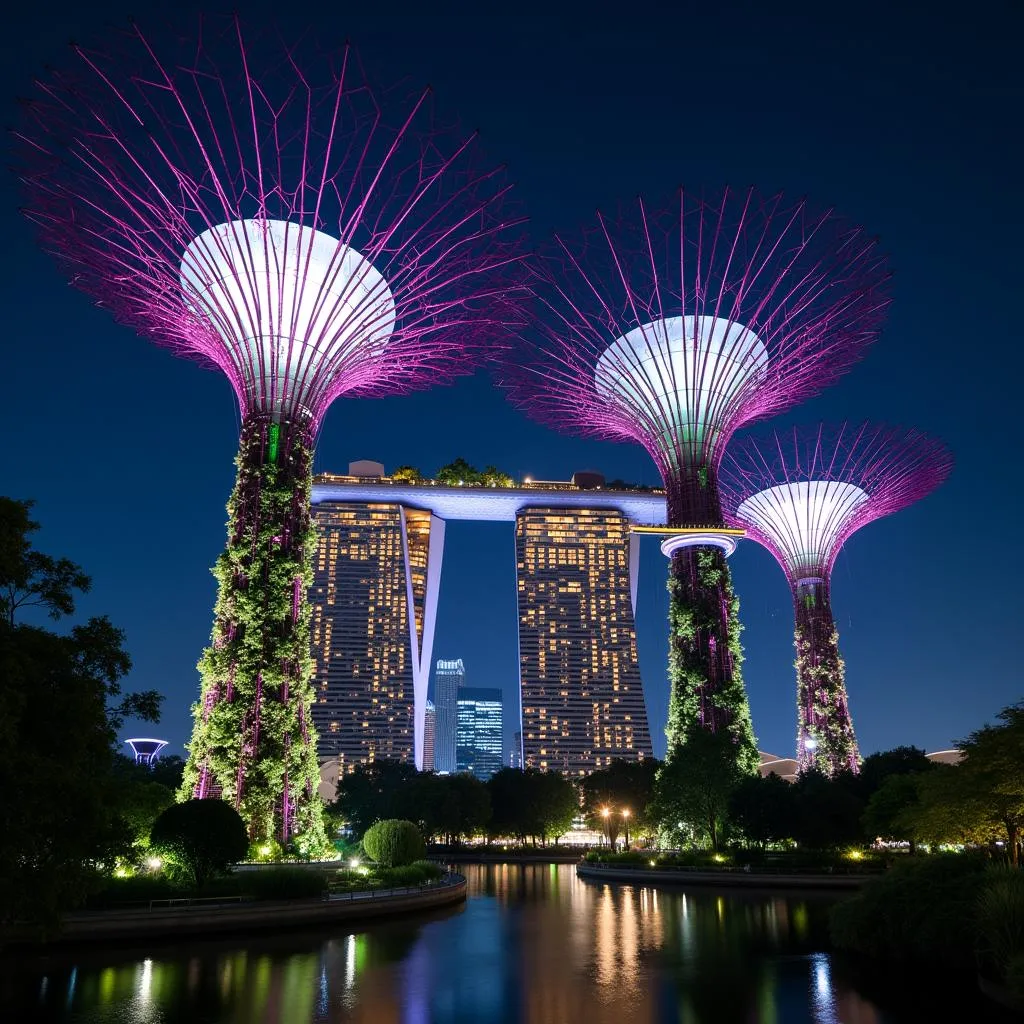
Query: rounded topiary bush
199, 838
393, 843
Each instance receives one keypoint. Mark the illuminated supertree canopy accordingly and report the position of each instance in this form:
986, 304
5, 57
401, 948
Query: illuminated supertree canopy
674, 329
257, 207
801, 494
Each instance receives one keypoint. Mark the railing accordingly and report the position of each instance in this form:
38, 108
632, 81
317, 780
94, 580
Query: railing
405, 890
193, 901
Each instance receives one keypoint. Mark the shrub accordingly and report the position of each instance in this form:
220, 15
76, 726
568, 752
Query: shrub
393, 843
199, 838
264, 851
411, 874
283, 883
140, 889
921, 910
1000, 923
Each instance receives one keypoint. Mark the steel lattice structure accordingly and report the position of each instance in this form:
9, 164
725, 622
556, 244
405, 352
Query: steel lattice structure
673, 330
256, 207
801, 495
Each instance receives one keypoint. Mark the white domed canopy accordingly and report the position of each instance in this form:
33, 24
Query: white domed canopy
681, 374
804, 520
295, 308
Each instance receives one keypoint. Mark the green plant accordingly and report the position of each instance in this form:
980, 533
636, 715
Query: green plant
199, 839
282, 883
252, 724
922, 910
705, 655
1000, 923
393, 843
410, 874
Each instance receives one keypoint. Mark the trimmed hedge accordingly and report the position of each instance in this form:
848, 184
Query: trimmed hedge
393, 843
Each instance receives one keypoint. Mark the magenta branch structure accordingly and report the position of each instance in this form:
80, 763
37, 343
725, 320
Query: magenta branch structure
802, 494
255, 206
672, 329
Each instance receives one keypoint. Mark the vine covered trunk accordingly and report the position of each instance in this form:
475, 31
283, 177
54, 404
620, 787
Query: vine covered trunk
825, 739
705, 656
253, 742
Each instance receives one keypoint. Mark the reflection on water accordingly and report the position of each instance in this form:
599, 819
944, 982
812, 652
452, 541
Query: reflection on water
533, 944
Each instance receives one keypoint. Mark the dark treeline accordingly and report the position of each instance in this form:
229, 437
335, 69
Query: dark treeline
531, 806
72, 806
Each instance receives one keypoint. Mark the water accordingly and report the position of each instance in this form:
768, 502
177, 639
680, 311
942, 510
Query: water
532, 944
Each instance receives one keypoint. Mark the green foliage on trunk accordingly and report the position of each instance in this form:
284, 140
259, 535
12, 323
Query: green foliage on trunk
253, 734
705, 655
823, 716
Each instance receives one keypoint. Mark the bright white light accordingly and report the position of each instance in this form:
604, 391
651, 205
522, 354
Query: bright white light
290, 304
810, 744
803, 519
154, 863
354, 862
683, 372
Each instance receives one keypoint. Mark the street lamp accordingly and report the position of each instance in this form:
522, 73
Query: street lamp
604, 814
625, 824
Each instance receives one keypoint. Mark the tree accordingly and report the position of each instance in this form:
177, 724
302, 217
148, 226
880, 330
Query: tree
494, 477
828, 810
393, 843
764, 809
168, 771
458, 472
890, 809
456, 806
408, 473
28, 578
555, 802
993, 767
621, 786
140, 798
695, 784
878, 767
947, 809
200, 838
383, 789
531, 804
62, 705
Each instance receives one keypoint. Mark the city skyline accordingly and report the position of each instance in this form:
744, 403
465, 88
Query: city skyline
952, 267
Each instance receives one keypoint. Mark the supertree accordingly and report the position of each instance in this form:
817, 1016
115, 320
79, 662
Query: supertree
252, 205
801, 494
672, 330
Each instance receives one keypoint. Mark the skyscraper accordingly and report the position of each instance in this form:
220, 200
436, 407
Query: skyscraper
582, 699
478, 731
429, 736
515, 757
374, 600
449, 676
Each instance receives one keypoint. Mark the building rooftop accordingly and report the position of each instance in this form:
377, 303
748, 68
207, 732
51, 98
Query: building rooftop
489, 503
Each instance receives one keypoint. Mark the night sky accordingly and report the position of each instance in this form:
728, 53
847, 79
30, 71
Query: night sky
907, 121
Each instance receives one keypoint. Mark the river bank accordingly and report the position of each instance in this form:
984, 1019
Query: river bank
171, 918
722, 877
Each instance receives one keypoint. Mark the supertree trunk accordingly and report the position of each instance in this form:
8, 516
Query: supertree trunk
253, 742
705, 656
825, 738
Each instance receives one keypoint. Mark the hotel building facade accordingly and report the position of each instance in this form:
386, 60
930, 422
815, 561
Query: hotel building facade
374, 598
582, 698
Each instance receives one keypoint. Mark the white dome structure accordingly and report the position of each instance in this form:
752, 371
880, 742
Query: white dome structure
294, 307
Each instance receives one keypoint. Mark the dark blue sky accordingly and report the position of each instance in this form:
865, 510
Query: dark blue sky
905, 119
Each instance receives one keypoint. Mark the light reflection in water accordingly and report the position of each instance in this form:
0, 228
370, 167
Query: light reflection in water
534, 944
